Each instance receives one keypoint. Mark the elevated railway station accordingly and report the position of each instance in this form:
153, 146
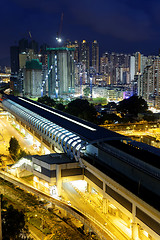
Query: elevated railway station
126, 173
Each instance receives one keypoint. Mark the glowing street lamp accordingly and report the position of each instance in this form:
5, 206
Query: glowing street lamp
59, 40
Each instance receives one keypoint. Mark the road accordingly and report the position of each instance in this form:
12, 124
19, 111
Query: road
92, 215
6, 132
86, 205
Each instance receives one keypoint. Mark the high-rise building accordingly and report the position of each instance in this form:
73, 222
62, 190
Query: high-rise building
61, 81
95, 55
14, 59
22, 59
132, 68
156, 76
43, 54
33, 45
74, 45
136, 84
19, 55
33, 78
140, 62
23, 45
84, 54
26, 56
147, 88
115, 67
104, 63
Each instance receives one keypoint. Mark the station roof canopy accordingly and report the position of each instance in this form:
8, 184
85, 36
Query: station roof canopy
89, 132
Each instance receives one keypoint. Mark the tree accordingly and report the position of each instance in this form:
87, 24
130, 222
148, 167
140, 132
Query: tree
14, 147
82, 109
86, 91
60, 106
15, 150
13, 224
21, 154
109, 118
133, 105
47, 101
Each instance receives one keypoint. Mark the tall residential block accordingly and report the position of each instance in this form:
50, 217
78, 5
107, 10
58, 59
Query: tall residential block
132, 68
74, 45
61, 80
33, 45
14, 60
23, 45
95, 55
84, 54
156, 76
33, 78
137, 62
148, 86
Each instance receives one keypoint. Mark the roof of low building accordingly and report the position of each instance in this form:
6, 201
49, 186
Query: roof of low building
54, 158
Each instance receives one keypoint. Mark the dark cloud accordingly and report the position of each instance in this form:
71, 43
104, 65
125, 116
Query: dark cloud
115, 18
119, 24
48, 6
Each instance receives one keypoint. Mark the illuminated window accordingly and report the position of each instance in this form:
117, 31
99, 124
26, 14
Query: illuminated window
37, 168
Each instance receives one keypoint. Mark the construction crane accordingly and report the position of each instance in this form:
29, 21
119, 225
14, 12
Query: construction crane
58, 38
30, 35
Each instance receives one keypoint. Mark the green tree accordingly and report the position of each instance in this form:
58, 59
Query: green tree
86, 91
14, 147
21, 154
82, 109
47, 101
60, 106
133, 105
13, 224
109, 118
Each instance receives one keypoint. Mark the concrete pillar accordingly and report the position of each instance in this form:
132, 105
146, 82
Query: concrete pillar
34, 139
42, 150
20, 126
51, 147
134, 224
88, 187
58, 179
135, 231
25, 130
104, 188
105, 205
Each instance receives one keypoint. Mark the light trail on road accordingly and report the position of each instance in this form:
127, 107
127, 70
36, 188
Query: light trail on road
91, 222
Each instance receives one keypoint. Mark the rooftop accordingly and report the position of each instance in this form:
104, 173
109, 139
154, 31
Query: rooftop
34, 64
60, 49
87, 131
54, 158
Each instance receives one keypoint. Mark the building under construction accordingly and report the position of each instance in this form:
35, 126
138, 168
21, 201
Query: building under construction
61, 78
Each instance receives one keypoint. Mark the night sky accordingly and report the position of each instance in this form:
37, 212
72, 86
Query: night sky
123, 26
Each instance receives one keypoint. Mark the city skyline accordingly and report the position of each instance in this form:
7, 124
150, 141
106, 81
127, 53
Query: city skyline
124, 27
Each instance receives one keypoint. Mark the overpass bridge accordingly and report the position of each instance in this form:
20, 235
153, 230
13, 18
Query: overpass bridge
126, 173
